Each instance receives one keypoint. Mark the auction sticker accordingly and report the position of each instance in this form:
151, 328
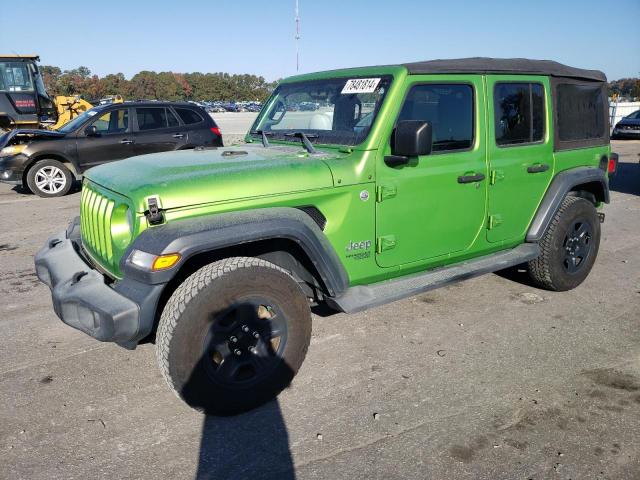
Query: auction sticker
360, 85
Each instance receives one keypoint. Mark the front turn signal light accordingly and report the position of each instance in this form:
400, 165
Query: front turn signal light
165, 261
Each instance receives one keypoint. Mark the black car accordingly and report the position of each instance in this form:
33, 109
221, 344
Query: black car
47, 161
628, 127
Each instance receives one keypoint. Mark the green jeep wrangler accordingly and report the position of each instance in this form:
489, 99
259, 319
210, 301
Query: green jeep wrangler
355, 188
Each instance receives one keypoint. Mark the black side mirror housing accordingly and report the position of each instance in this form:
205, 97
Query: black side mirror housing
413, 138
91, 131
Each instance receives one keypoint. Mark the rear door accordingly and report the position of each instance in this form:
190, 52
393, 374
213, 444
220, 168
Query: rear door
157, 130
520, 149
113, 141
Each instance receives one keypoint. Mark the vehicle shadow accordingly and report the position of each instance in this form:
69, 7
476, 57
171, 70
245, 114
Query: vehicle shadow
518, 274
626, 179
251, 445
22, 190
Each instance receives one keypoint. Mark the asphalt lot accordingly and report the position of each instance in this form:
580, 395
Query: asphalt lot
486, 379
234, 125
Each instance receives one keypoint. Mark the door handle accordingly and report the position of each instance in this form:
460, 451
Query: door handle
178, 135
125, 141
538, 168
475, 177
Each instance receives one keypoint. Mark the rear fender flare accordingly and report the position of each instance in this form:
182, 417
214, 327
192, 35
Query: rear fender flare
562, 185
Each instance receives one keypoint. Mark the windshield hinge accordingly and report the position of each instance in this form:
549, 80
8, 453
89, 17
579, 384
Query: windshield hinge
154, 213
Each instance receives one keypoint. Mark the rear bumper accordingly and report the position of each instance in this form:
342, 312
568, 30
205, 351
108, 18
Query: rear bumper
123, 312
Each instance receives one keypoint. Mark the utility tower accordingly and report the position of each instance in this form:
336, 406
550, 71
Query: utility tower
297, 37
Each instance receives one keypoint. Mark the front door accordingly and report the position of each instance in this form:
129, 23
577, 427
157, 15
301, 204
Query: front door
520, 153
158, 130
435, 206
113, 139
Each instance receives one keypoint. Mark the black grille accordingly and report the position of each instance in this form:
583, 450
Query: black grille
316, 215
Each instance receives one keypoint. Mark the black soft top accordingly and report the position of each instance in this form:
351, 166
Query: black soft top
516, 66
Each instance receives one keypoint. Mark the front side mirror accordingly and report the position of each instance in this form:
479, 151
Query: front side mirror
91, 131
413, 138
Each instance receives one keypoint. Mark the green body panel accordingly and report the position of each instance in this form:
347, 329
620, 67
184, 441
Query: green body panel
431, 215
383, 222
514, 194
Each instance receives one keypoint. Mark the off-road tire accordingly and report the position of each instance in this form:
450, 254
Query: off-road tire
197, 306
548, 270
62, 173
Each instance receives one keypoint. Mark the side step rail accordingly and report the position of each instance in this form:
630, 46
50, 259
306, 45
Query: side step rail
358, 298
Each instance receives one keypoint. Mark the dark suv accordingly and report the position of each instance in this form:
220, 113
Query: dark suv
47, 161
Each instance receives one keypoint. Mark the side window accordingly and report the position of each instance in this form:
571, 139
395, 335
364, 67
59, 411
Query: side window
519, 113
115, 121
581, 112
449, 108
172, 121
153, 118
188, 116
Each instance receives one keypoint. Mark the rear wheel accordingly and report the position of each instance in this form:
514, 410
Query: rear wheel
49, 178
233, 335
569, 247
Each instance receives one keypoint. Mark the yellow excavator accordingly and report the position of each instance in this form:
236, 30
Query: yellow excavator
24, 101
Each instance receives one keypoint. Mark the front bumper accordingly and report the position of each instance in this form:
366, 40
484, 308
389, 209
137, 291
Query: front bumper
12, 169
626, 133
123, 312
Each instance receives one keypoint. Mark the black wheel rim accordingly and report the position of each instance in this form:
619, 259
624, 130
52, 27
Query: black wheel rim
246, 342
577, 245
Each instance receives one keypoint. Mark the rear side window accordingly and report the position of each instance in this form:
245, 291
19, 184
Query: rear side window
188, 116
580, 112
519, 113
449, 108
155, 117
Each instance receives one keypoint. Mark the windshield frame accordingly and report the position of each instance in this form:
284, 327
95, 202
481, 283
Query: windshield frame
316, 136
80, 120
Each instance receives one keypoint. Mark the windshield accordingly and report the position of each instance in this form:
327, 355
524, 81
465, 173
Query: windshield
71, 125
15, 77
337, 111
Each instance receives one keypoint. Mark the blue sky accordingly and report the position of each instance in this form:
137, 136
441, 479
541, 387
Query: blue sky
254, 36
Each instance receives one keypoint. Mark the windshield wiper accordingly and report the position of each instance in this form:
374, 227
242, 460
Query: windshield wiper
263, 134
305, 139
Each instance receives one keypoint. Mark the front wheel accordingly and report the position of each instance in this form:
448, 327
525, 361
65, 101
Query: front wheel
569, 247
233, 335
49, 178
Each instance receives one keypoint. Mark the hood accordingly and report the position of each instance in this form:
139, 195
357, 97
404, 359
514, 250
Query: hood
26, 135
629, 121
193, 177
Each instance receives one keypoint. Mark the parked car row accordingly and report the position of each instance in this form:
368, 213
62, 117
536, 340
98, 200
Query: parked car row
219, 107
628, 127
47, 161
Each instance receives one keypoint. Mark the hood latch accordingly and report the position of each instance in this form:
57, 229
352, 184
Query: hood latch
154, 213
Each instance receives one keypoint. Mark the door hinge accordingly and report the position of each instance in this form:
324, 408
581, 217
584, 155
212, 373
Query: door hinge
494, 221
384, 192
495, 176
386, 242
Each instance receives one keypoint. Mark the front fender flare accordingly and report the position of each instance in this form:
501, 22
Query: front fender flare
192, 236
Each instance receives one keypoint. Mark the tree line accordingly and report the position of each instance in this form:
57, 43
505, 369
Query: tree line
156, 86
196, 86
625, 87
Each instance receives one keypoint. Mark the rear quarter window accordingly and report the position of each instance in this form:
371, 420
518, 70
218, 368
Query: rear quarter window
188, 116
580, 112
